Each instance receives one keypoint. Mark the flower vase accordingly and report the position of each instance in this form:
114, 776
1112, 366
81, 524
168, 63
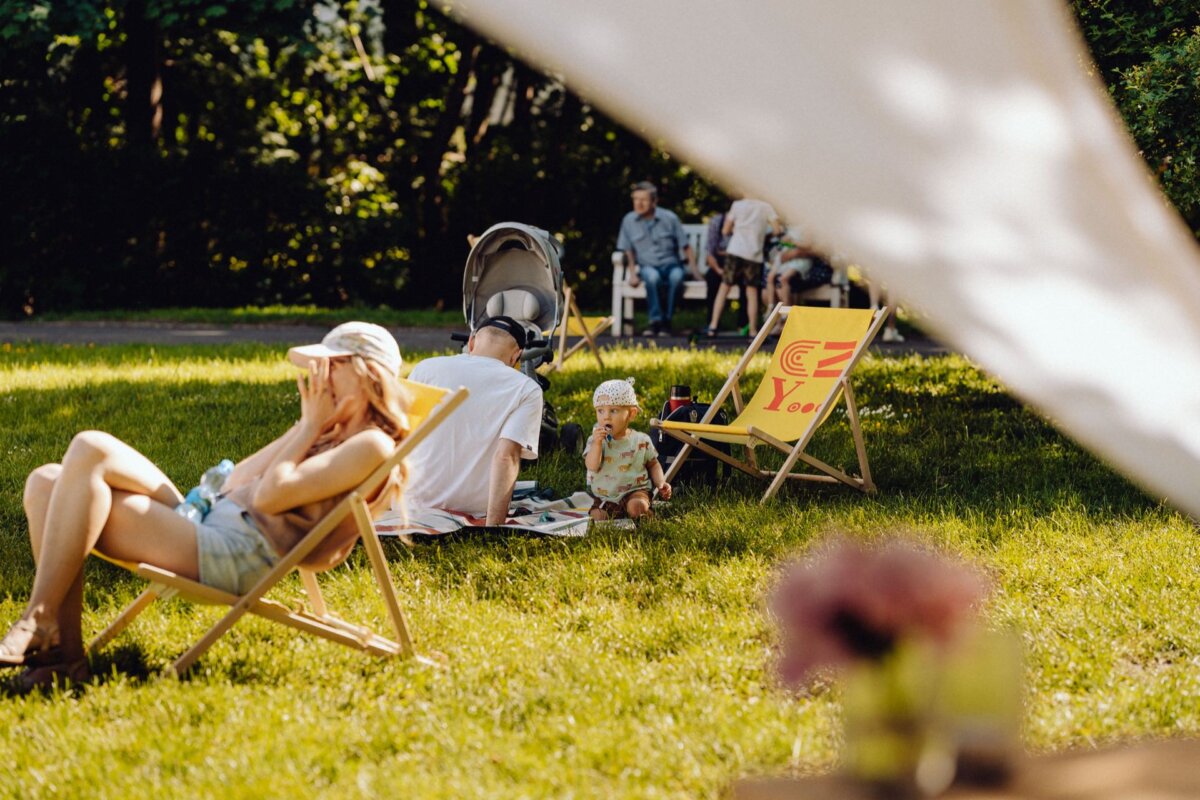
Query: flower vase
981, 697
895, 741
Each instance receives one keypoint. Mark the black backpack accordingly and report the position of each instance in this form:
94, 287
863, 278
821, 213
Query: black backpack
700, 468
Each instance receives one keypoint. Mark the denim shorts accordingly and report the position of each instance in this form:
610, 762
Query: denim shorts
234, 555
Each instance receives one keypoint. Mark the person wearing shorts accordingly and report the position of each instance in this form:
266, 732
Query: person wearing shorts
746, 225
620, 508
232, 552
106, 496
741, 270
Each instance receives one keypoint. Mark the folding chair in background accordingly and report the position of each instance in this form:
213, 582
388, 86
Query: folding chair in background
430, 405
574, 323
809, 370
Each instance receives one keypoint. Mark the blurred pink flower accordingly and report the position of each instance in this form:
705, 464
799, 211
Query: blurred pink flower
849, 602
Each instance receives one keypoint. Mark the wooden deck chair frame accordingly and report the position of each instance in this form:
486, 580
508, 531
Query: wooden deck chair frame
692, 435
576, 324
431, 406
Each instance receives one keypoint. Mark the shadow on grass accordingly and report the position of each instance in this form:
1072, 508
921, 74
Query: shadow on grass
126, 661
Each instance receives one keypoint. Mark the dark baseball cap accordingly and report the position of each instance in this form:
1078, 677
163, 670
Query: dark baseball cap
509, 325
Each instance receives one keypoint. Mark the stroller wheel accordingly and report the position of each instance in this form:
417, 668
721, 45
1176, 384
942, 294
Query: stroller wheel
547, 440
571, 438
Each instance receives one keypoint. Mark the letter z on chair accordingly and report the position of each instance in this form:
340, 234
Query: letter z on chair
430, 406
809, 370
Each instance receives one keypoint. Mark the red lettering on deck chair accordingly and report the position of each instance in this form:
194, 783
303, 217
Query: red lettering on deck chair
827, 362
780, 394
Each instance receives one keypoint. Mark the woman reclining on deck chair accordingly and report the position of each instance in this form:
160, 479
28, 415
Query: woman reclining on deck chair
107, 496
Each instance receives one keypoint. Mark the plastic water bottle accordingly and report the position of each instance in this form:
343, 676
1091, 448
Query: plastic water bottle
199, 500
192, 507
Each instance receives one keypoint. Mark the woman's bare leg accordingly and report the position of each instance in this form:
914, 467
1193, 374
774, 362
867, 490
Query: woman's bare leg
719, 305
137, 529
752, 308
768, 294
96, 467
38, 487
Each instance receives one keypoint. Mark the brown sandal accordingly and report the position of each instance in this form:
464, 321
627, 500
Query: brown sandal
65, 675
27, 644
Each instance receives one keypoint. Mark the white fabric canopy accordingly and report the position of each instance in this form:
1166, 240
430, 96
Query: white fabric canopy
961, 150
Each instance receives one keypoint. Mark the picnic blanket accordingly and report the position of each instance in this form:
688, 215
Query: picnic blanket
563, 517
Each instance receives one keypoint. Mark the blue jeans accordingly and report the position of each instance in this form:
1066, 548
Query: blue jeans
670, 274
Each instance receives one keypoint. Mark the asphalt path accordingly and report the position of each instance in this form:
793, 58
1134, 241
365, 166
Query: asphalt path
419, 339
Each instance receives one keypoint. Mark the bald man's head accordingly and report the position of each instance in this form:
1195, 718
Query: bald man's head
495, 343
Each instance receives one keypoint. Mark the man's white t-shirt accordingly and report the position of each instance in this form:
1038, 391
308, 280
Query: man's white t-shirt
751, 221
451, 468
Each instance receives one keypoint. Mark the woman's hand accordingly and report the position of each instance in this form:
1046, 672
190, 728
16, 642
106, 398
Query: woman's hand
316, 396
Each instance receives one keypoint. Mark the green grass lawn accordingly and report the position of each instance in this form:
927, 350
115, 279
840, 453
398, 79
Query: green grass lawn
628, 664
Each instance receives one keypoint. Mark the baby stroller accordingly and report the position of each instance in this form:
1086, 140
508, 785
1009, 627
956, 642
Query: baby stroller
513, 269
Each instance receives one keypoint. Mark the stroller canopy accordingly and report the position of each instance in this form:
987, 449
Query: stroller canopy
512, 256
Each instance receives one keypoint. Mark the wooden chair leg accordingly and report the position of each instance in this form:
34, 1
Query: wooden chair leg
313, 589
128, 614
856, 431
562, 333
587, 335
370, 539
793, 454
244, 603
677, 464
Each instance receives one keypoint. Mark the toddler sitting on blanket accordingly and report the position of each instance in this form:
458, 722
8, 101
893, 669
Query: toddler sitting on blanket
622, 463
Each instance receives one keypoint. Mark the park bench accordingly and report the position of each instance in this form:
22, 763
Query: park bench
834, 293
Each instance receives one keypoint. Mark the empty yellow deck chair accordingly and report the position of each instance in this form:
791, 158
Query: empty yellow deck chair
809, 371
430, 405
575, 324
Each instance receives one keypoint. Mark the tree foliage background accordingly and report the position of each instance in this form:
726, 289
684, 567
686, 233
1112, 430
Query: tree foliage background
216, 153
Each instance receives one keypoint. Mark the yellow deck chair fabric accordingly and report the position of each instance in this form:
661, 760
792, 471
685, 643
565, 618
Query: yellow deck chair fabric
808, 373
576, 325
430, 405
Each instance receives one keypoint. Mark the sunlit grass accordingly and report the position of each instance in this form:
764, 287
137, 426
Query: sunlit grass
628, 664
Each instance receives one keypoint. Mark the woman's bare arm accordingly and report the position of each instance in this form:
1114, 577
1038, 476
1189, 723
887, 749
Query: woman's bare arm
253, 465
293, 480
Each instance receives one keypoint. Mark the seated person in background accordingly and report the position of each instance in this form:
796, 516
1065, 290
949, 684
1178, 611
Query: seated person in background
109, 497
469, 463
622, 463
653, 240
796, 265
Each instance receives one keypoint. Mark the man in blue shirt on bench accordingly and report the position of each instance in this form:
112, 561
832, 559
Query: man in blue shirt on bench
655, 247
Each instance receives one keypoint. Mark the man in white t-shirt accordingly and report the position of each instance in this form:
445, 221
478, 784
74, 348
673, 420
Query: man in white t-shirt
746, 225
469, 463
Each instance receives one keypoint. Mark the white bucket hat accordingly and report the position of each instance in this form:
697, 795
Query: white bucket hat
615, 393
353, 339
